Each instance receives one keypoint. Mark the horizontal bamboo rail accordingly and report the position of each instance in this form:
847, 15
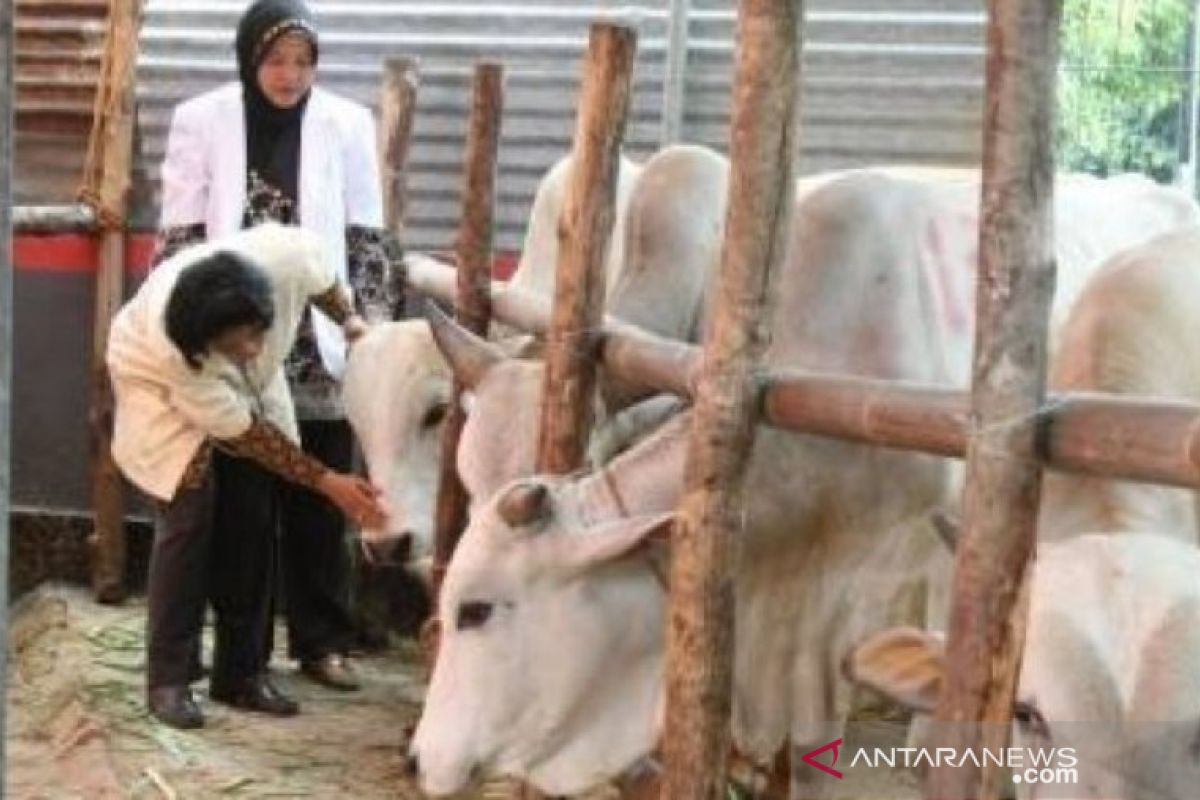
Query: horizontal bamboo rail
1136, 439
76, 218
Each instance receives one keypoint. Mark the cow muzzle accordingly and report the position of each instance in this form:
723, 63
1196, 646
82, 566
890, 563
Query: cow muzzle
448, 786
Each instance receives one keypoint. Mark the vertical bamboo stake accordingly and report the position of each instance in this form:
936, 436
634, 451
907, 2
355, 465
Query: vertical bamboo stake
584, 232
397, 110
1016, 283
7, 131
108, 501
675, 84
763, 142
106, 187
473, 305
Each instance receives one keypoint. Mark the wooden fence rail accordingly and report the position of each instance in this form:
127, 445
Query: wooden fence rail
1137, 439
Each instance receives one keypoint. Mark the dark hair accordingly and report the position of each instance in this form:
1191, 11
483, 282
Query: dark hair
216, 293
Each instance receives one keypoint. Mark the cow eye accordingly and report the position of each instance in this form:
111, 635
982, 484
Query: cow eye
434, 416
473, 615
1030, 719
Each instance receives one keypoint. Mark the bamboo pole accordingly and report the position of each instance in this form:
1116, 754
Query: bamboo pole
7, 134
1003, 472
1126, 438
473, 308
397, 111
585, 228
106, 188
675, 84
523, 310
704, 552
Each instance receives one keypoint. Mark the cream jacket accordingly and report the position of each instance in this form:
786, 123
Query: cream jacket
204, 179
165, 409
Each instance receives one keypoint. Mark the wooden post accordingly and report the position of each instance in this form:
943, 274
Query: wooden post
106, 188
397, 110
1000, 502
7, 134
473, 304
763, 143
675, 83
584, 231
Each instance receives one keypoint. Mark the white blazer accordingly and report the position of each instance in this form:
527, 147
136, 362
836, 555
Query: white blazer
204, 179
164, 408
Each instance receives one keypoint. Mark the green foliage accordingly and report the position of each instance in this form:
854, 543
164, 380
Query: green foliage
1122, 80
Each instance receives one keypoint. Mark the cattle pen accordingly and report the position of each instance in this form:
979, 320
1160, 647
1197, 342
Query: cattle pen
1007, 426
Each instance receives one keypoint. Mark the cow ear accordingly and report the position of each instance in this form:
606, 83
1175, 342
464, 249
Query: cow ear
905, 664
608, 542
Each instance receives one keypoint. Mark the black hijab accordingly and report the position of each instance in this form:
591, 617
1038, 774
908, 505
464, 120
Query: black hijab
272, 133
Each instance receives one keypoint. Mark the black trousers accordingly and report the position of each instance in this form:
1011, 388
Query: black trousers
217, 544
316, 562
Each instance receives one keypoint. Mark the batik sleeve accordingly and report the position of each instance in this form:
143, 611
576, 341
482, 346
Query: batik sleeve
265, 444
373, 261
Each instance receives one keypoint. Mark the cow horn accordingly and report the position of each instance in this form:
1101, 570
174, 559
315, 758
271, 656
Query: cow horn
523, 504
948, 529
470, 356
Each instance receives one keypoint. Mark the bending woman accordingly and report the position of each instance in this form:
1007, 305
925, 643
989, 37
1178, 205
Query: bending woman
204, 424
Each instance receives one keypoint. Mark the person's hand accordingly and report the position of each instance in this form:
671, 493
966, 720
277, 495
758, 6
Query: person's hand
353, 329
357, 498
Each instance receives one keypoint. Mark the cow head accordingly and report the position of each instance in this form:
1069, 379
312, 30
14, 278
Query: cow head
551, 650
397, 392
503, 397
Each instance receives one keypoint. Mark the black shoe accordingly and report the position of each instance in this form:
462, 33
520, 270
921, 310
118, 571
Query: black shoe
257, 694
175, 706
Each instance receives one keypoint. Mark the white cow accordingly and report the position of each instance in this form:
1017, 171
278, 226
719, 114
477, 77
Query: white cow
1111, 666
1134, 331
396, 387
1097, 656
551, 655
1097, 217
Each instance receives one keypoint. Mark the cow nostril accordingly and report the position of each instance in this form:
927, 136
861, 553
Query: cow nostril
412, 765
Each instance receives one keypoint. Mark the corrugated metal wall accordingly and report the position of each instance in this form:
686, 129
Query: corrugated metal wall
59, 43
886, 80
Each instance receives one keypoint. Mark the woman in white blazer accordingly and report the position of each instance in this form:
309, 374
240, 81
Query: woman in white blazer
274, 147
